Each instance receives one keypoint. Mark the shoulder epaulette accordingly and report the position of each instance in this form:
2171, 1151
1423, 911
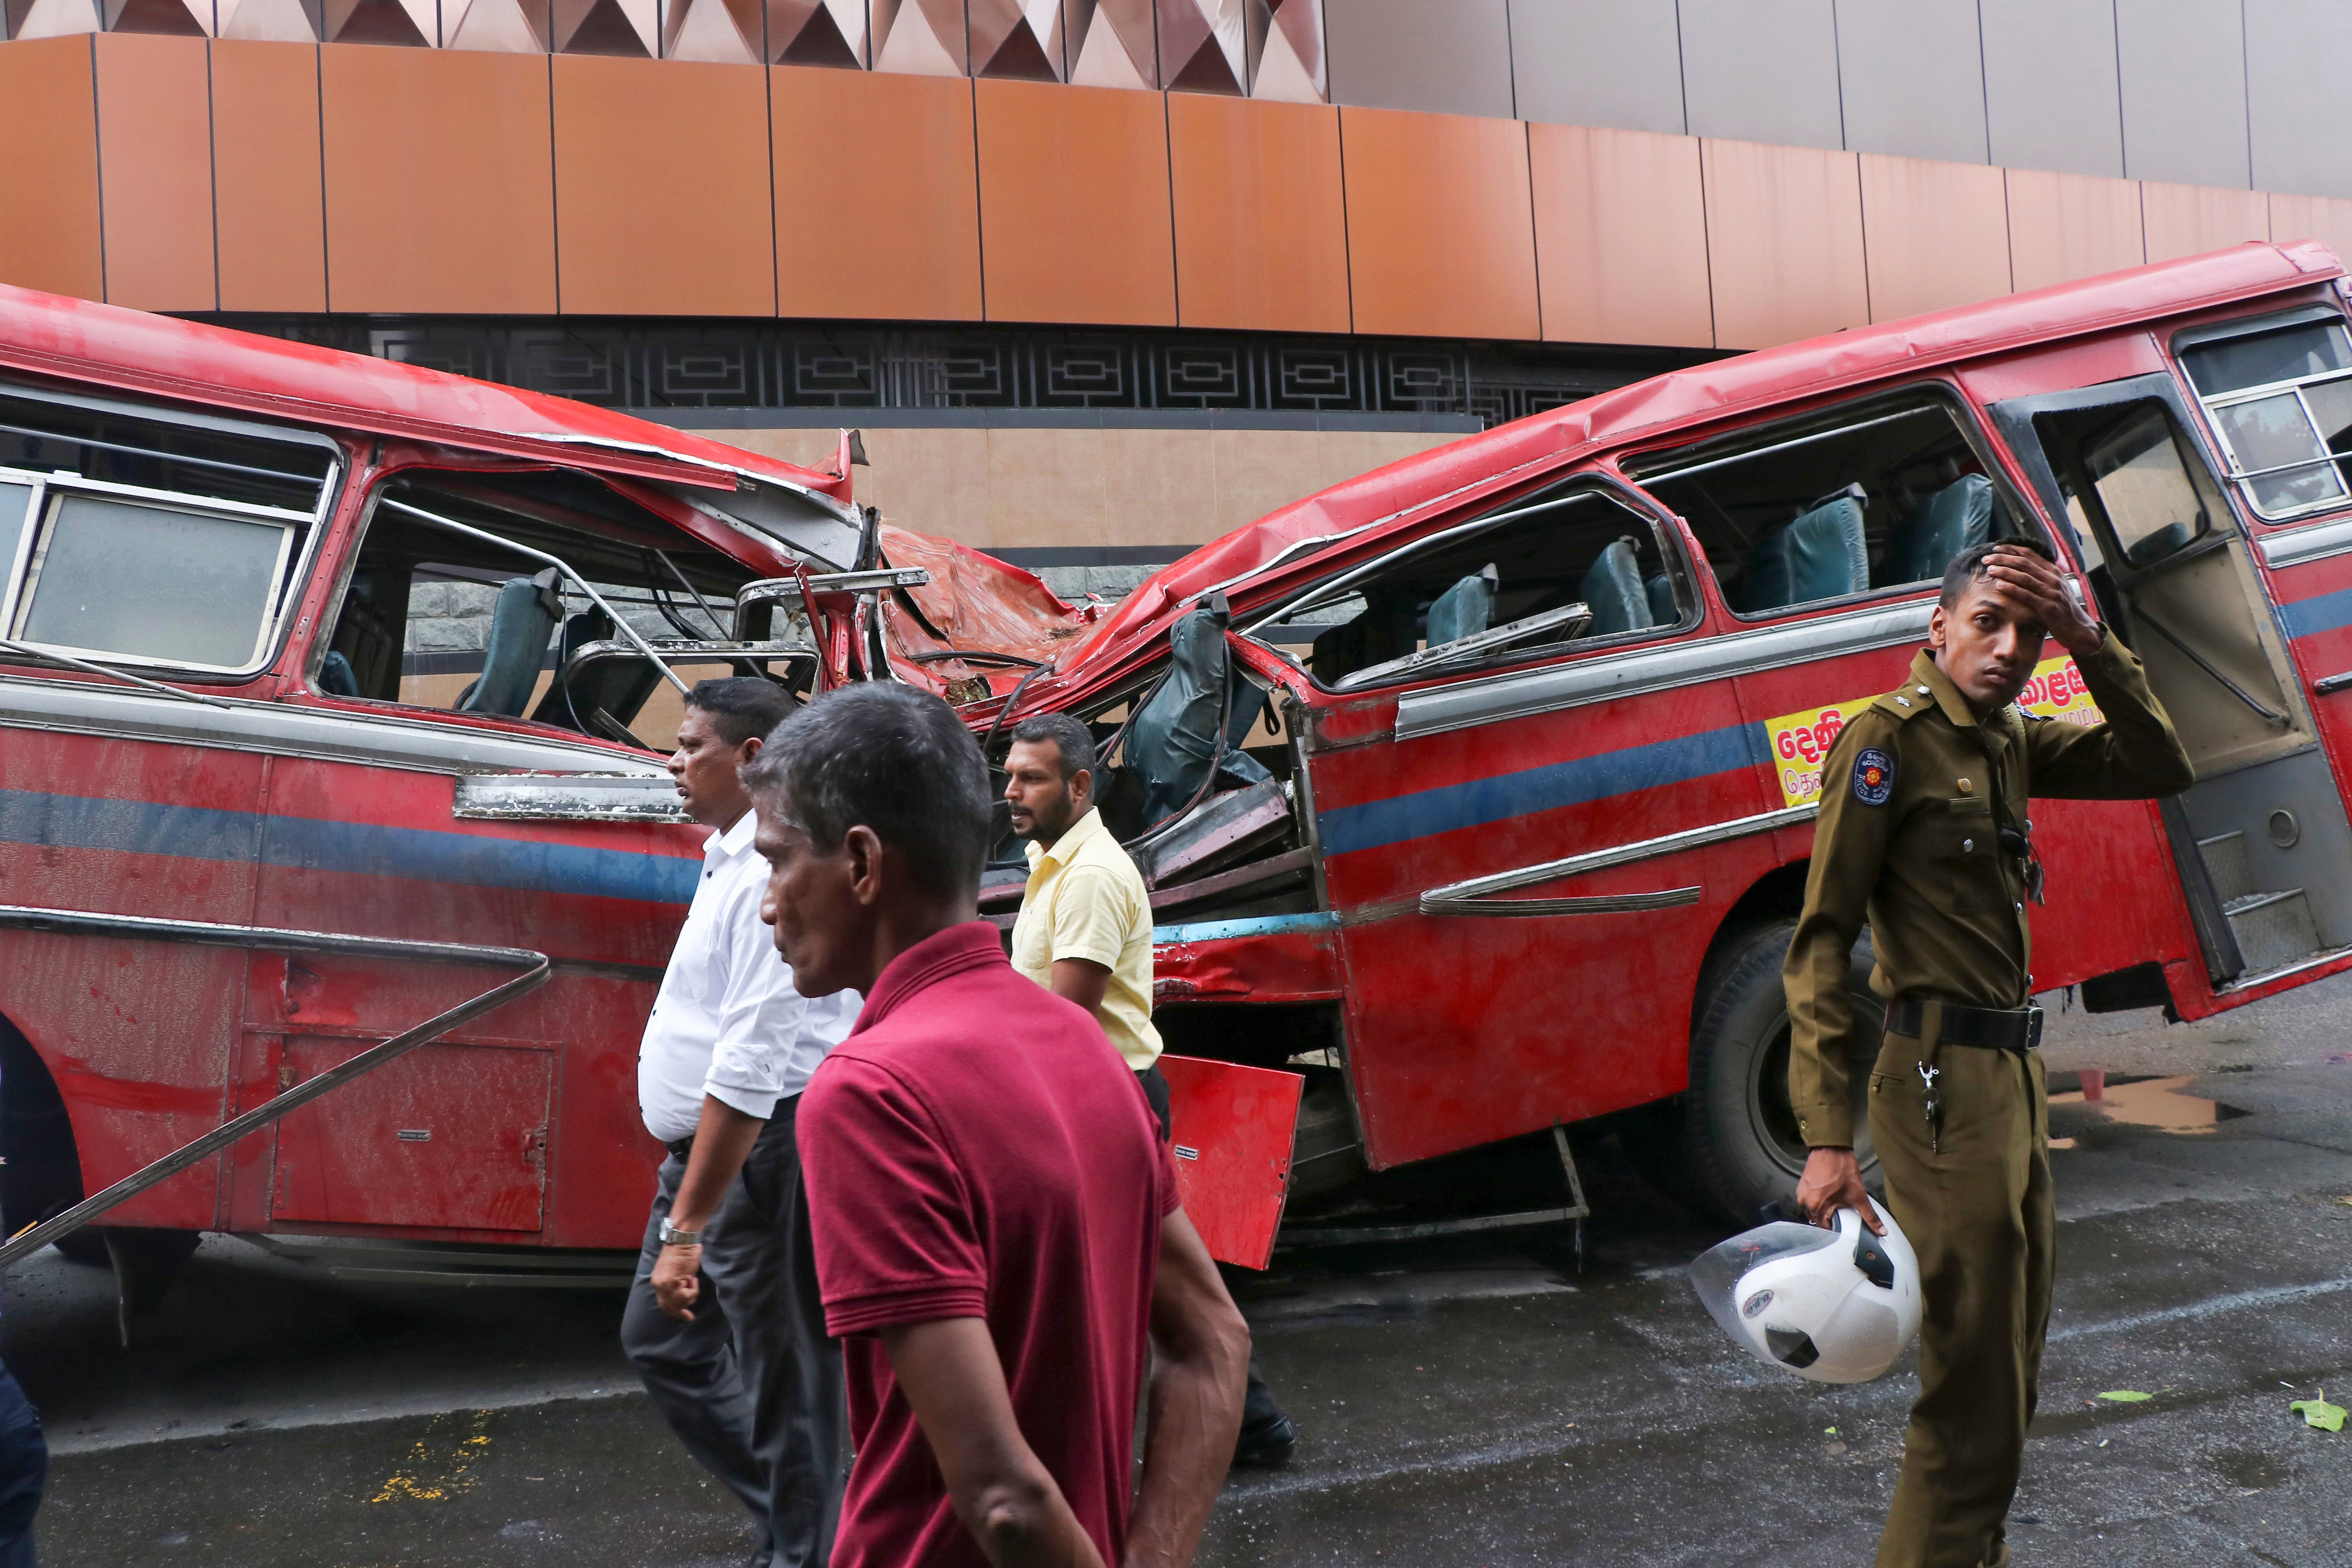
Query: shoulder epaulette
1903, 703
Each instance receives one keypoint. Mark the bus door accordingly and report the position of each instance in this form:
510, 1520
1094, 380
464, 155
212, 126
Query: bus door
1519, 770
2259, 840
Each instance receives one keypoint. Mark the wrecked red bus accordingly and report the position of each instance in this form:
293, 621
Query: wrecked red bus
1493, 771
1475, 794
247, 830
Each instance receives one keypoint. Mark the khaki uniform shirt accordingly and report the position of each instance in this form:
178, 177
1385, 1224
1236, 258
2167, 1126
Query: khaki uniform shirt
1908, 839
1086, 900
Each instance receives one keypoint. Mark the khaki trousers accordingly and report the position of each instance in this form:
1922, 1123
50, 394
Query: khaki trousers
1976, 1205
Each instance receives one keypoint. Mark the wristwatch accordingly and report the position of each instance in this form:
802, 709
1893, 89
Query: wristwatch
673, 1236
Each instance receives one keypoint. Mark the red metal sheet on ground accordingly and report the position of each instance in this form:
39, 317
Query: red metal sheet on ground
1232, 1127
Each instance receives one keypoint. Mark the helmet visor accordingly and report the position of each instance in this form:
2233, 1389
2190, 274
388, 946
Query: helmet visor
1717, 1272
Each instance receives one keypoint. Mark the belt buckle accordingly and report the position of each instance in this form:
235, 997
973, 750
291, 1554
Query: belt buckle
2032, 1028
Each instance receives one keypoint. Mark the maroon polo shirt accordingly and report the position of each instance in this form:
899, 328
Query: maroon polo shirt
977, 1149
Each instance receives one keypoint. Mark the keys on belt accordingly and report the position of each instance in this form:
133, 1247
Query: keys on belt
1933, 1103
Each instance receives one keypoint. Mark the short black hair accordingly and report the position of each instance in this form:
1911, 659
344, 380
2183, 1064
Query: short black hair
1070, 737
892, 759
740, 706
1969, 565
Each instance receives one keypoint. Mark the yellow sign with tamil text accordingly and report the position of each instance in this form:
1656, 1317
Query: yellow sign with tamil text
1799, 741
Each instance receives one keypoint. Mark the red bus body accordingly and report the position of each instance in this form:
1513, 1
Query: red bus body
1641, 786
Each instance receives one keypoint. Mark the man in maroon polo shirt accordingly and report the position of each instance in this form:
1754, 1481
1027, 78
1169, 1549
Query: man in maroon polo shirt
998, 1239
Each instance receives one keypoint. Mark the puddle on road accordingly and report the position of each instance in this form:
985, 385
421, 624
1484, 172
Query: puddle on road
2154, 1102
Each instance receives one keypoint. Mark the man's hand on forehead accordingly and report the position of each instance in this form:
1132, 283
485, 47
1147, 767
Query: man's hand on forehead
2023, 578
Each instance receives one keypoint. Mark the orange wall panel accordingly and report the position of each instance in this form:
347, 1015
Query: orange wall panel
877, 196
1440, 224
2186, 220
2064, 226
1621, 237
662, 189
1932, 234
1784, 237
2327, 219
268, 203
1261, 216
1074, 216
440, 184
155, 170
49, 204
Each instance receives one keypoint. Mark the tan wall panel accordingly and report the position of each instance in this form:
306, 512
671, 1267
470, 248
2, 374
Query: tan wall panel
1074, 216
1784, 237
269, 208
440, 186
1261, 216
1933, 235
155, 170
876, 196
2064, 226
49, 204
2327, 219
1009, 489
1440, 224
1621, 237
2186, 220
662, 188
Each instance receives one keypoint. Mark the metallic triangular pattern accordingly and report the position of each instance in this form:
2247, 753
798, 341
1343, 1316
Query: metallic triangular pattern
1111, 42
185, 18
495, 26
817, 33
920, 38
1204, 46
1020, 38
56, 18
727, 31
631, 28
272, 21
416, 24
1286, 47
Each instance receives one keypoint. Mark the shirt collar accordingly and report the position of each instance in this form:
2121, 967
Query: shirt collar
1069, 843
732, 840
963, 946
1929, 677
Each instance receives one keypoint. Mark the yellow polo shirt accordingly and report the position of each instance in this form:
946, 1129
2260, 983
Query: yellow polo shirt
1086, 900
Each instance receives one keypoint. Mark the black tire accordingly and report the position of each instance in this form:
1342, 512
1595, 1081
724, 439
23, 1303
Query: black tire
1740, 1146
41, 1175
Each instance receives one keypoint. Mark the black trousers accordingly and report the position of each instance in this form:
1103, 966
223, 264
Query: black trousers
23, 1472
752, 1386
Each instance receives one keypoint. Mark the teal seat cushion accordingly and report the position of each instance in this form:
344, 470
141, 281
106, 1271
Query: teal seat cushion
1613, 591
1950, 520
1820, 556
1464, 610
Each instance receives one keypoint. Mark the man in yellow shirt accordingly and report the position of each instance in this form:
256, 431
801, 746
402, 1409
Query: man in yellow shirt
1085, 934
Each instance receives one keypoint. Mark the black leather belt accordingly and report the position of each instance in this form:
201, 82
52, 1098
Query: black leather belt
682, 1149
1998, 1028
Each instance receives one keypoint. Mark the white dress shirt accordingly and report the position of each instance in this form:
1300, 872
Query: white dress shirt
727, 1023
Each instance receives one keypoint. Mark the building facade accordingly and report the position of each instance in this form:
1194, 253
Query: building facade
1103, 278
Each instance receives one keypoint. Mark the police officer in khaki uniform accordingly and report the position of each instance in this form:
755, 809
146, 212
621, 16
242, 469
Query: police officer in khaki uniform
1924, 831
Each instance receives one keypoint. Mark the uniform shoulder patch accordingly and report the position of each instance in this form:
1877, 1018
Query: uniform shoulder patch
1874, 776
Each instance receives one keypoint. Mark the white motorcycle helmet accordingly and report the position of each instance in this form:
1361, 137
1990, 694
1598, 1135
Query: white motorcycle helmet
1835, 1306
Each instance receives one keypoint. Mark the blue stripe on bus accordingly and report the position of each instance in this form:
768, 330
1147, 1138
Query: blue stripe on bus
1498, 799
2320, 613
366, 849
1263, 925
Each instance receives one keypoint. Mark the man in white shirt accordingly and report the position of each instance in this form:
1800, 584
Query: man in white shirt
724, 1322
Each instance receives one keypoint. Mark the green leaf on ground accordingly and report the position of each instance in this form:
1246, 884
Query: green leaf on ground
1829, 1431
2319, 1413
2126, 1396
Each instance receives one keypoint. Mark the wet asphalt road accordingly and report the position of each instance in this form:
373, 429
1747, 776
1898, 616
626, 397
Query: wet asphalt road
1475, 1402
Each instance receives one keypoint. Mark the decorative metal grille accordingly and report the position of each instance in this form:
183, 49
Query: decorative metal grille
789, 364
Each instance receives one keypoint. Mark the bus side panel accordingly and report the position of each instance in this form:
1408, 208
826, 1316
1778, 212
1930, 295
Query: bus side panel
138, 1035
377, 851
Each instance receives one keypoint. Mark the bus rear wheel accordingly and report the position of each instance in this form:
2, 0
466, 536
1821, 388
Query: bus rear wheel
1740, 1147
